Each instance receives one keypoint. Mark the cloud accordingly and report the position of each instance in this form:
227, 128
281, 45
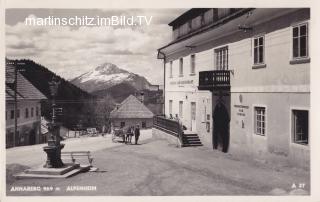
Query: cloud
71, 51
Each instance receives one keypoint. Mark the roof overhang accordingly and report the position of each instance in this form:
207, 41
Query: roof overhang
222, 29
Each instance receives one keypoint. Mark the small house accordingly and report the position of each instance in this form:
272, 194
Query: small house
131, 112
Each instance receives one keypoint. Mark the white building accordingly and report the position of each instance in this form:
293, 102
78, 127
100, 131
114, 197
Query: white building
240, 79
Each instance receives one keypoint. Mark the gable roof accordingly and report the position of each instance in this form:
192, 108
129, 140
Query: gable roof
25, 90
131, 107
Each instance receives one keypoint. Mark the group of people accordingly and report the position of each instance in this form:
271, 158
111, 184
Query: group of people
131, 130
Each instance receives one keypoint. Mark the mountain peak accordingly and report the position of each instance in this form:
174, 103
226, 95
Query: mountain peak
107, 75
109, 68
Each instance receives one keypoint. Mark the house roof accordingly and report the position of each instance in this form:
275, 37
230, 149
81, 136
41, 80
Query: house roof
25, 90
194, 12
131, 107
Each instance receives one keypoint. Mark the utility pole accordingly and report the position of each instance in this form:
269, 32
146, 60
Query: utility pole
15, 105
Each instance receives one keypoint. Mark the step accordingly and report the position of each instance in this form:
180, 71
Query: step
194, 139
190, 136
191, 145
191, 142
191, 139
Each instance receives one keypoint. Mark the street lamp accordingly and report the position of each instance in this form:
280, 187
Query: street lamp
54, 147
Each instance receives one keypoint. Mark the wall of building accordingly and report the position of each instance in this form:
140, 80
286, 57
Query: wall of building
279, 86
133, 122
277, 75
278, 140
26, 126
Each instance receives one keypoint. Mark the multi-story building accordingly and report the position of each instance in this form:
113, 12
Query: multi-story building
26, 114
240, 79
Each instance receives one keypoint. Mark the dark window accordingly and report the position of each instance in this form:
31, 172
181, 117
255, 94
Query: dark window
181, 67
122, 124
300, 41
193, 64
12, 114
27, 113
260, 120
258, 54
143, 124
18, 113
32, 111
300, 126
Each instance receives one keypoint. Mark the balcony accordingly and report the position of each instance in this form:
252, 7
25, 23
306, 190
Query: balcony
214, 80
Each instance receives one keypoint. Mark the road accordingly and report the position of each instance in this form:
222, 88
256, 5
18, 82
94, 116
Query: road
157, 168
34, 155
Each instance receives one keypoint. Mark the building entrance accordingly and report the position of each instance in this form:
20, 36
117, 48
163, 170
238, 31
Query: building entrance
193, 117
220, 136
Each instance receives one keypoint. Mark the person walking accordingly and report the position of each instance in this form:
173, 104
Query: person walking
137, 134
128, 134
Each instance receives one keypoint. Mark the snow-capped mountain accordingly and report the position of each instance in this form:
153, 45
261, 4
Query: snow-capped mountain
107, 75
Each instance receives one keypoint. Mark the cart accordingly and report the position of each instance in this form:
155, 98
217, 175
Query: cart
118, 133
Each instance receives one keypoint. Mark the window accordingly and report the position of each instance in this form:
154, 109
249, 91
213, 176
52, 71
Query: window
170, 106
258, 50
180, 108
260, 121
37, 111
181, 67
12, 114
18, 113
221, 58
170, 69
122, 124
300, 126
143, 125
192, 64
6, 115
32, 111
27, 113
300, 41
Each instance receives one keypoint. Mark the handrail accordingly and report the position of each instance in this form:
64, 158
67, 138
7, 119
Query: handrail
172, 126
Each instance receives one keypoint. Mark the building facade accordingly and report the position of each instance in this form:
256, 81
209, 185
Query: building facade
131, 112
27, 114
240, 79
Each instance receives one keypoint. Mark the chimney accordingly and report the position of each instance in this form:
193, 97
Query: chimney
140, 96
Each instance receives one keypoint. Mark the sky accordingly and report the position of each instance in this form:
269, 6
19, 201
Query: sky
70, 51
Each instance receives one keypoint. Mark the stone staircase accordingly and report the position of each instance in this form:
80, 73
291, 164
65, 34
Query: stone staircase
190, 139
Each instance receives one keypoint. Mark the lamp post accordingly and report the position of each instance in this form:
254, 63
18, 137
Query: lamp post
54, 147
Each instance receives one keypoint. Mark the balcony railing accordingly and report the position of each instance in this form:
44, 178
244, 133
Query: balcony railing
214, 80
